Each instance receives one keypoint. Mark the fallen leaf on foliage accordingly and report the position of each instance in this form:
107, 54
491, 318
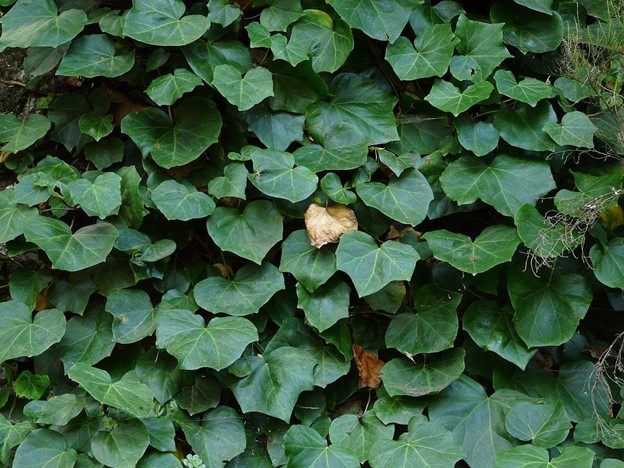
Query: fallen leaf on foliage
368, 366
326, 225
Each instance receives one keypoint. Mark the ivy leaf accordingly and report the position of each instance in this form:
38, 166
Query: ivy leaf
608, 262
382, 20
479, 137
203, 57
36, 23
133, 315
221, 12
44, 447
525, 455
371, 267
59, 410
276, 130
491, 327
231, 184
421, 375
481, 48
523, 127
295, 88
447, 97
160, 22
243, 91
127, 393
329, 42
575, 130
425, 441
429, 56
280, 14
124, 445
543, 422
284, 373
333, 188
275, 175
543, 6
195, 345
312, 267
204, 394
405, 198
506, 184
495, 245
251, 288
528, 30
96, 126
305, 447
89, 246
249, 234
181, 201
196, 126
357, 101
433, 328
26, 285
100, 197
20, 135
537, 233
326, 305
13, 217
167, 89
160, 372
95, 55
358, 434
528, 90
539, 303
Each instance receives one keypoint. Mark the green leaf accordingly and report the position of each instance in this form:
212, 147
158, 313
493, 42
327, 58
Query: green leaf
167, 89
425, 441
608, 262
530, 455
295, 88
538, 234
132, 313
160, 22
357, 101
100, 197
357, 435
160, 372
25, 285
71, 296
312, 267
506, 184
124, 445
405, 199
448, 98
333, 188
276, 130
31, 386
431, 329
371, 267
97, 127
44, 448
20, 135
204, 394
528, 30
196, 345
141, 247
326, 305
329, 42
429, 56
481, 48
181, 201
397, 410
479, 137
203, 57
221, 12
305, 447
36, 23
251, 288
421, 375
543, 6
231, 184
89, 246
23, 335
249, 234
196, 126
127, 393
380, 19
495, 245
13, 217
491, 327
59, 410
528, 90
280, 14
548, 308
243, 91
343, 147
12, 435
283, 374
544, 423
275, 175
291, 52
575, 130
95, 55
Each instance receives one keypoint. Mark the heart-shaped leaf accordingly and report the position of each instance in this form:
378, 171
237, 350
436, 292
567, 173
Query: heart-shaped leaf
20, 135
232, 184
167, 89
280, 14
448, 98
479, 137
528, 90
100, 197
203, 57
371, 267
26, 285
79, 60
249, 234
124, 445
275, 175
251, 288
295, 87
333, 188
429, 56
13, 217
326, 305
44, 447
575, 130
195, 345
276, 130
538, 457
23, 335
546, 424
89, 246
495, 245
196, 126
243, 91
133, 315
523, 126
181, 201
305, 447
312, 267
160, 22
358, 434
405, 198
608, 262
96, 126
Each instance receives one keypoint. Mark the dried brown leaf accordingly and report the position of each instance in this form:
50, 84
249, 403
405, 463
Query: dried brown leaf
326, 225
368, 366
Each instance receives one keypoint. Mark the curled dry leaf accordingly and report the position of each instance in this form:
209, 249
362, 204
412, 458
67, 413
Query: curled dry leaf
326, 225
368, 366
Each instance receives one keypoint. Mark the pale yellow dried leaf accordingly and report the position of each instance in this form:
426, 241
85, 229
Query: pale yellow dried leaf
326, 225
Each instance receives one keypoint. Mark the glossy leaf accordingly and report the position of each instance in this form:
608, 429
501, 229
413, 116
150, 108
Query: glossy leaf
528, 90
181, 201
326, 305
18, 135
479, 137
13, 217
576, 129
204, 57
530, 455
312, 267
44, 447
276, 130
523, 127
243, 91
133, 315
358, 435
608, 262
79, 60
100, 197
544, 423
124, 445
231, 184
528, 30
305, 447
448, 98
333, 188
167, 89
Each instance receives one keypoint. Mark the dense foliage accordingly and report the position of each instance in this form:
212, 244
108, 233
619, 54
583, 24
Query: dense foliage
164, 304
